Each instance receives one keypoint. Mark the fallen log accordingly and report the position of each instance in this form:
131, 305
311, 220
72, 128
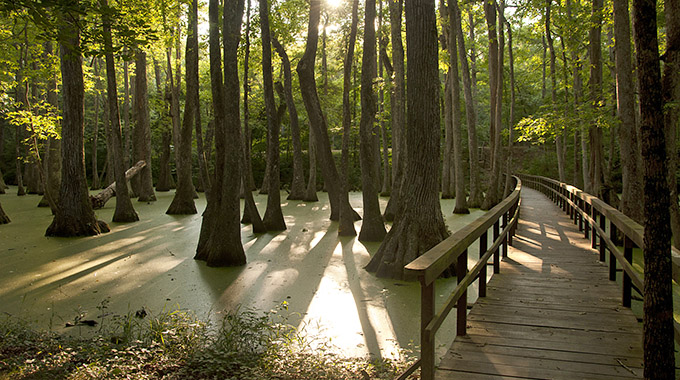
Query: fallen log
99, 200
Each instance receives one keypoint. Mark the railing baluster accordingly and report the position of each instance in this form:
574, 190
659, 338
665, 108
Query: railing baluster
593, 236
505, 237
612, 258
461, 314
483, 240
628, 255
426, 343
580, 215
603, 246
496, 258
586, 223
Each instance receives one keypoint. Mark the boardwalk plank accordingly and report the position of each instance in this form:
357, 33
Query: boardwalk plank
551, 313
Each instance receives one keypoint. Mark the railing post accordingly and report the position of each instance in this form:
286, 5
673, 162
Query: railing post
512, 227
426, 342
505, 237
496, 256
564, 201
612, 258
627, 283
586, 223
603, 246
461, 314
572, 209
593, 236
579, 202
482, 274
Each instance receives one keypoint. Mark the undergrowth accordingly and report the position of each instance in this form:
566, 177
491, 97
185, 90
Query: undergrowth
247, 344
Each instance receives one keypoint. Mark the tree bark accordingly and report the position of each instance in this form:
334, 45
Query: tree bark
595, 172
74, 216
511, 116
124, 212
310, 192
372, 227
273, 216
476, 197
183, 202
419, 224
458, 173
398, 110
671, 94
53, 149
164, 175
659, 361
628, 135
220, 239
142, 132
126, 113
340, 207
4, 219
99, 201
382, 43
492, 196
297, 187
346, 105
95, 135
247, 135
559, 134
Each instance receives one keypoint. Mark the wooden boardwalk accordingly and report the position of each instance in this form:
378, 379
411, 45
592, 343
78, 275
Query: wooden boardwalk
551, 313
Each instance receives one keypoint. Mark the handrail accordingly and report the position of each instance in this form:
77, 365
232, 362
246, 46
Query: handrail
429, 266
583, 207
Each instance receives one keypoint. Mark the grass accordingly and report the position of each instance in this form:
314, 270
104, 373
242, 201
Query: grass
247, 344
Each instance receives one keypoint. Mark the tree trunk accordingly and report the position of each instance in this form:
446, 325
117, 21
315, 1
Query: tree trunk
511, 117
492, 197
596, 175
164, 174
448, 175
126, 113
297, 187
110, 162
95, 135
4, 219
671, 93
630, 153
74, 216
53, 149
382, 43
310, 192
99, 201
458, 173
183, 202
372, 227
273, 216
659, 361
18, 142
142, 132
419, 224
398, 110
220, 239
340, 207
247, 136
124, 212
476, 197
346, 105
559, 142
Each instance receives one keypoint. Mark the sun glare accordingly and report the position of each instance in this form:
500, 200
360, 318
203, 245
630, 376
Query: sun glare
333, 3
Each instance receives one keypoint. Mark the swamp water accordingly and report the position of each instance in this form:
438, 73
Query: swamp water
49, 281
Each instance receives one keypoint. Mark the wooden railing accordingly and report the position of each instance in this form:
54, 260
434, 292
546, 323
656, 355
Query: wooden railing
454, 250
592, 214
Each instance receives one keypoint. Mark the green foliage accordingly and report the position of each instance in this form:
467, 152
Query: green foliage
175, 344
